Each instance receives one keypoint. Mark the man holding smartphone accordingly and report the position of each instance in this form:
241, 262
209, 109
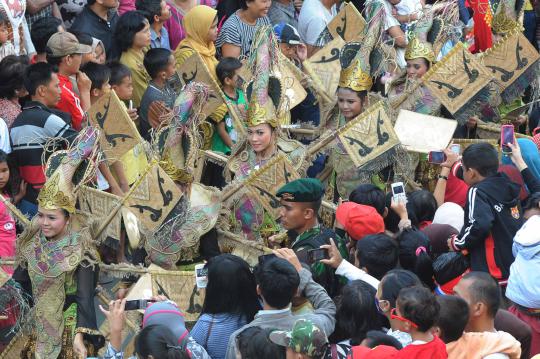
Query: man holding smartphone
300, 203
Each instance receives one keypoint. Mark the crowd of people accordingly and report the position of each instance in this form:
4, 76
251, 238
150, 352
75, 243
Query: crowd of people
262, 141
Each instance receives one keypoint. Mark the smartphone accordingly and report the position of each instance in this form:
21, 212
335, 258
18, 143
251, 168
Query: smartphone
201, 275
398, 192
315, 255
265, 257
507, 136
436, 157
138, 304
456, 148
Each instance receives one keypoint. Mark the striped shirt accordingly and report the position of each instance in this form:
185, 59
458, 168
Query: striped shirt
238, 33
30, 131
213, 331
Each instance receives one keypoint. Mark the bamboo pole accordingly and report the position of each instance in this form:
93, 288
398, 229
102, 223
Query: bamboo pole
25, 221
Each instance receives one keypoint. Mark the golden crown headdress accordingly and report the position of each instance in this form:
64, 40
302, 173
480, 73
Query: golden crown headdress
417, 49
57, 192
503, 24
176, 174
355, 78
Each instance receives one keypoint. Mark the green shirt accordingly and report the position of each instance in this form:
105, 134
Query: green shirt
217, 143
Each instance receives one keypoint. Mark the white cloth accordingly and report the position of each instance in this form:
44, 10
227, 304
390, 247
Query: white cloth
313, 19
4, 137
450, 213
406, 7
349, 271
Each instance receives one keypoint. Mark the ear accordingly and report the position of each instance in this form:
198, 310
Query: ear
309, 213
384, 305
258, 290
436, 331
156, 18
40, 91
385, 213
478, 309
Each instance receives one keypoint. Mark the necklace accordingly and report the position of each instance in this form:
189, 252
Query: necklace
261, 161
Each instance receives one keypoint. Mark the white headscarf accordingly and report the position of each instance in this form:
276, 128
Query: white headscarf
450, 213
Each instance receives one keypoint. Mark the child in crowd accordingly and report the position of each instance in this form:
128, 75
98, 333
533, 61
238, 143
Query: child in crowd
66, 53
418, 309
8, 236
86, 39
100, 75
134, 161
224, 133
492, 213
6, 47
160, 64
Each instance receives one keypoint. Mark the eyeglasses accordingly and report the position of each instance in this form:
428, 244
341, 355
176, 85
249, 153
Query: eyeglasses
393, 315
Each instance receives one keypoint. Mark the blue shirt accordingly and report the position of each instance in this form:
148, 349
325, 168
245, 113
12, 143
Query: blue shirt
161, 41
213, 331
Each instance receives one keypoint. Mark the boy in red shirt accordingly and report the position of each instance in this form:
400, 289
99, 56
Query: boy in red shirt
65, 53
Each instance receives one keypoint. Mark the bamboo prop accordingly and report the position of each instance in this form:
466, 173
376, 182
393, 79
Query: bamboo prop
497, 129
236, 238
216, 157
21, 217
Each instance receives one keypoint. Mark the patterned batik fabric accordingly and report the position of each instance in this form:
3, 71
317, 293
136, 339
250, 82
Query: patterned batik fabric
49, 264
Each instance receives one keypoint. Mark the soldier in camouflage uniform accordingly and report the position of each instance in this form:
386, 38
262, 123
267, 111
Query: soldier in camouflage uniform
300, 203
305, 339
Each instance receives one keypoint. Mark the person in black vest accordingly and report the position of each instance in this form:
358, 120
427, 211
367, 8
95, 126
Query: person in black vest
300, 202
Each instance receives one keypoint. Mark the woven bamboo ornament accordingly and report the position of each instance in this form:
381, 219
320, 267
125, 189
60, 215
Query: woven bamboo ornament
513, 62
324, 68
194, 70
368, 136
100, 204
118, 132
58, 191
264, 182
154, 198
463, 85
348, 24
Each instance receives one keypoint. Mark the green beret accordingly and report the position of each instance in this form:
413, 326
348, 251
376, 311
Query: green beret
302, 190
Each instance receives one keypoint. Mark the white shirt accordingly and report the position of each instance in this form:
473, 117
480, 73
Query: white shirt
313, 19
349, 271
4, 137
406, 7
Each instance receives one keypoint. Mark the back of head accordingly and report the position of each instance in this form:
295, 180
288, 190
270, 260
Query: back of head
166, 314
378, 253
453, 317
369, 195
83, 38
394, 281
420, 306
156, 60
278, 282
99, 74
149, 8
12, 69
119, 72
231, 287
482, 157
254, 343
356, 312
37, 75
484, 288
375, 338
42, 30
421, 207
226, 68
159, 342
414, 254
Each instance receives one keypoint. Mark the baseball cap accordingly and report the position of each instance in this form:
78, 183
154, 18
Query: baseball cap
167, 313
65, 43
304, 338
359, 220
379, 352
287, 34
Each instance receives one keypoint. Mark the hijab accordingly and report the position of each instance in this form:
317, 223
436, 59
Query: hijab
515, 176
450, 213
197, 23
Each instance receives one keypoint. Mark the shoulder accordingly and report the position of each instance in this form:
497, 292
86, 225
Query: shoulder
232, 22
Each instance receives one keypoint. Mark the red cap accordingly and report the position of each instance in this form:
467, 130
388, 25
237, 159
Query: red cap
359, 220
379, 352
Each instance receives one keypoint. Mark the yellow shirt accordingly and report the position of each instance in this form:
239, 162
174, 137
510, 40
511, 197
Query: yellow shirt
134, 60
